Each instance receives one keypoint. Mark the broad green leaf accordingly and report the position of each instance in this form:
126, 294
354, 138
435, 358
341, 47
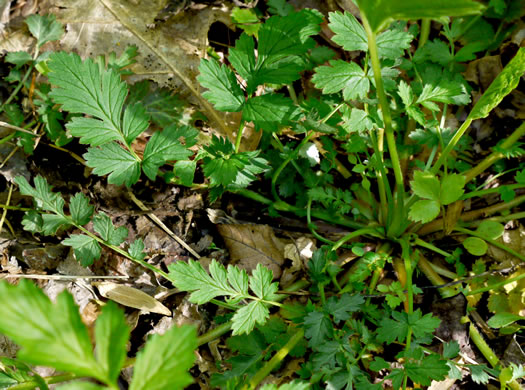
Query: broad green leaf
86, 248
341, 308
134, 121
244, 319
431, 368
396, 327
42, 194
185, 171
176, 349
32, 221
342, 76
103, 225
247, 19
165, 146
501, 320
111, 158
490, 229
502, 85
443, 87
50, 334
223, 90
475, 246
380, 13
349, 33
451, 349
452, 188
279, 7
393, 43
242, 57
136, 249
425, 185
18, 58
44, 28
80, 209
268, 111
111, 336
83, 88
52, 222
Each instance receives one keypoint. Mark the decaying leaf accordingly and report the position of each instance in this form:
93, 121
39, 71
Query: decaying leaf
251, 244
131, 297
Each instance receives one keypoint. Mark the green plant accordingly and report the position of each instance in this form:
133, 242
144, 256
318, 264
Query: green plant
358, 128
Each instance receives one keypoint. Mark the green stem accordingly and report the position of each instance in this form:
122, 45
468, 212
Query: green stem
239, 137
33, 384
275, 360
490, 191
7, 138
491, 242
425, 32
434, 248
4, 206
455, 139
495, 286
355, 234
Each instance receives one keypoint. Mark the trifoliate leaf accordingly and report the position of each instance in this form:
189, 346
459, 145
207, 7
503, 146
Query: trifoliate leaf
342, 76
42, 194
490, 229
430, 368
244, 319
452, 188
136, 249
176, 347
393, 43
318, 328
54, 336
426, 185
86, 248
349, 33
111, 335
102, 225
80, 209
475, 246
123, 168
502, 85
44, 28
223, 90
269, 111
165, 146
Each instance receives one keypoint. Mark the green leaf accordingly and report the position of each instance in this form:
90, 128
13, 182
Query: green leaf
452, 188
520, 177
51, 223
111, 158
136, 249
279, 7
78, 385
380, 13
176, 350
86, 248
490, 229
442, 86
44, 28
426, 185
80, 209
294, 385
103, 225
349, 33
405, 93
268, 111
397, 327
83, 88
479, 374
247, 19
50, 334
165, 146
432, 367
261, 283
42, 194
475, 246
318, 328
32, 221
451, 349
242, 57
393, 43
18, 58
342, 76
379, 364
501, 320
111, 335
282, 41
223, 90
244, 319
185, 171
502, 85
342, 308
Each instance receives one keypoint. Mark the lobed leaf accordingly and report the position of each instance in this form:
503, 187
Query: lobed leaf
122, 166
86, 248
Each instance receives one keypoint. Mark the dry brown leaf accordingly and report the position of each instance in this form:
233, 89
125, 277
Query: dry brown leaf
131, 297
251, 244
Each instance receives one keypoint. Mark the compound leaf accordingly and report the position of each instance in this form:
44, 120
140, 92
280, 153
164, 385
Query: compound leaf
349, 33
42, 194
426, 185
176, 349
268, 111
430, 368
